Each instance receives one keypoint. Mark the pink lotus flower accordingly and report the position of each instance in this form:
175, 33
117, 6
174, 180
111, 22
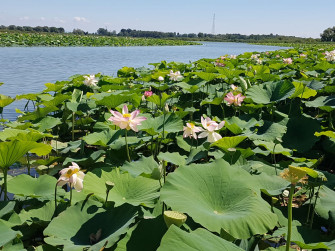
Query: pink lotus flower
73, 176
190, 130
210, 127
236, 100
148, 93
287, 60
126, 120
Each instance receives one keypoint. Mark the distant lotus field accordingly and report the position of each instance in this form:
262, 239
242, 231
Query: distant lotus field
233, 153
40, 39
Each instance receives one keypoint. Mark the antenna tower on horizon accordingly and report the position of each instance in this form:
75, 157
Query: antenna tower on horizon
213, 26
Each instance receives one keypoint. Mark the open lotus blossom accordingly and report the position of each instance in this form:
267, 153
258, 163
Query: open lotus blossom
147, 94
233, 87
234, 99
259, 61
175, 76
233, 56
223, 57
210, 127
255, 56
190, 130
160, 78
73, 176
287, 60
90, 80
126, 120
330, 55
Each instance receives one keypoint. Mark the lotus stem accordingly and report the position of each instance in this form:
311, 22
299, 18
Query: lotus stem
70, 194
274, 157
28, 164
5, 183
311, 193
316, 198
289, 212
72, 126
127, 149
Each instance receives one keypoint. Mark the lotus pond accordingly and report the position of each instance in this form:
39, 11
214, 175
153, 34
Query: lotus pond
233, 153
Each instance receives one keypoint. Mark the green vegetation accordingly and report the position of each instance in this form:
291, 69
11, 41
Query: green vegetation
328, 35
40, 39
233, 153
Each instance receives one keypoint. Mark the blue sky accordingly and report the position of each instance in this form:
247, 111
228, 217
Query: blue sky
305, 18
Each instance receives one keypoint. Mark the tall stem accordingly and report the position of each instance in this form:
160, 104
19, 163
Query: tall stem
289, 212
70, 193
28, 164
72, 126
274, 157
316, 198
127, 146
5, 183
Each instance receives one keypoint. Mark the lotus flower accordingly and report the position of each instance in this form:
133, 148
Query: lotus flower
259, 61
210, 127
302, 55
233, 56
255, 56
73, 176
233, 87
147, 94
190, 130
90, 80
234, 99
126, 120
330, 55
287, 60
175, 76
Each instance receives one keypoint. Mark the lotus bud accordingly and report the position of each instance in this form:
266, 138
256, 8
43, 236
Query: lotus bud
175, 218
160, 78
166, 108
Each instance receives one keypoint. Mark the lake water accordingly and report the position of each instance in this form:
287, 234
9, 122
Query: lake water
27, 69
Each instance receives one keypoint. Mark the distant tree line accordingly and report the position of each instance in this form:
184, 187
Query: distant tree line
33, 29
328, 35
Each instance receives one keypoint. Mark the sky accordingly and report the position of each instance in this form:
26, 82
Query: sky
301, 18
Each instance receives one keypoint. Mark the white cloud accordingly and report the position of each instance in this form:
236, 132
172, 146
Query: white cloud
42, 18
24, 18
80, 19
58, 20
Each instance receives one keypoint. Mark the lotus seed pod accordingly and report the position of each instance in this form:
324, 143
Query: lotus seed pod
175, 218
109, 185
274, 200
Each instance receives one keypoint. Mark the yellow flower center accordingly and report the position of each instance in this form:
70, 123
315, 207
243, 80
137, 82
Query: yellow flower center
192, 125
126, 115
71, 172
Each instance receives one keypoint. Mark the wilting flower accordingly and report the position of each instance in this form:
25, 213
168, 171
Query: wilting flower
234, 99
190, 130
210, 127
126, 120
90, 80
330, 55
233, 87
287, 60
175, 76
73, 176
160, 78
294, 174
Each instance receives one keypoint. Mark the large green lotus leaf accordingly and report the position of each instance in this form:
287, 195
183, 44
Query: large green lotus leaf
329, 134
304, 91
134, 191
57, 100
174, 158
325, 205
270, 92
268, 132
6, 207
38, 113
300, 133
238, 124
146, 235
42, 187
7, 234
200, 239
206, 75
40, 148
48, 123
270, 184
10, 133
322, 101
113, 101
73, 227
44, 213
101, 138
155, 125
219, 197
5, 100
157, 100
274, 148
228, 142
12, 151
145, 166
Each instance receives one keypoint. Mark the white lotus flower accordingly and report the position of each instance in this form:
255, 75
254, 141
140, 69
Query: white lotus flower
210, 127
175, 76
90, 80
73, 176
330, 55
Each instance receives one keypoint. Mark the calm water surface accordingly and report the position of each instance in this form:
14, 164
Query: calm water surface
27, 69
